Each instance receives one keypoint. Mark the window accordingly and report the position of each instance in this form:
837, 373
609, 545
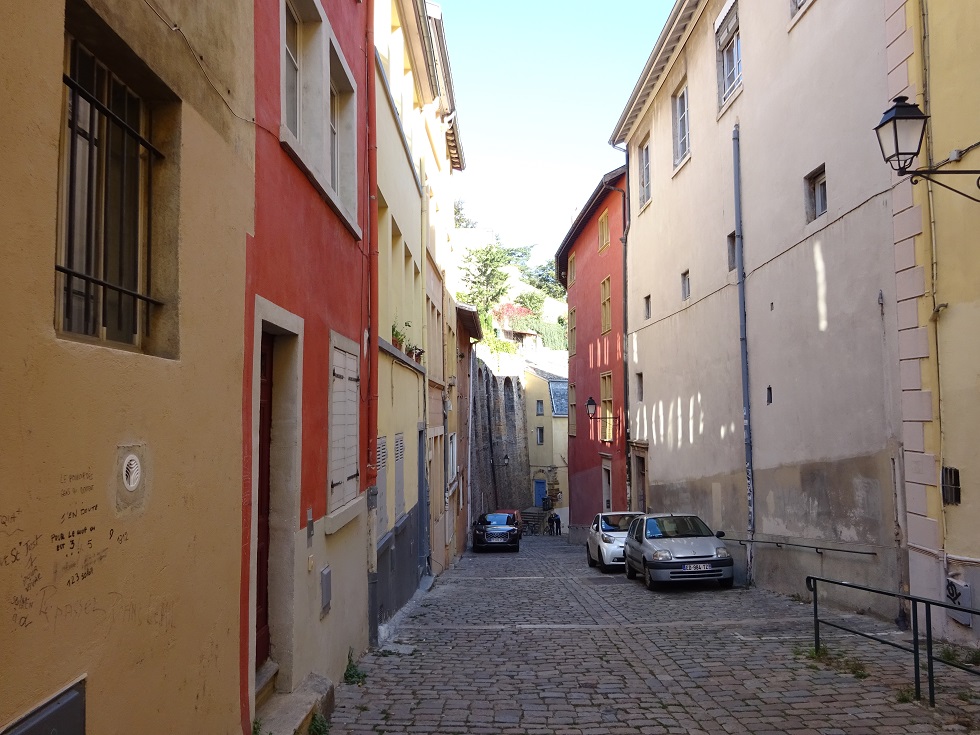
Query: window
571, 269
539, 408
453, 466
572, 425
344, 424
604, 230
686, 285
605, 296
571, 331
606, 407
102, 264
291, 80
796, 5
682, 131
639, 386
539, 434
729, 43
816, 193
644, 171
951, 486
319, 110
647, 307
732, 255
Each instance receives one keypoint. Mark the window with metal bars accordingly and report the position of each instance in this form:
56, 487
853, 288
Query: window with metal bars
951, 486
103, 256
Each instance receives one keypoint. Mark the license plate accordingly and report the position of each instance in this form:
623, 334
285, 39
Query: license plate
697, 567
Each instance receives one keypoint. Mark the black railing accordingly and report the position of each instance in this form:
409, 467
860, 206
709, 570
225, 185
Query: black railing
818, 549
914, 649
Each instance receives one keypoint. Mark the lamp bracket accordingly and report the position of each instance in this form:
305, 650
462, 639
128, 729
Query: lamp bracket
929, 174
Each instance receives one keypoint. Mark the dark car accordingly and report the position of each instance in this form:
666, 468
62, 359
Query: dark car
496, 530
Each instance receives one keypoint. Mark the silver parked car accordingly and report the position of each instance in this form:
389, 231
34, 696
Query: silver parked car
665, 547
604, 545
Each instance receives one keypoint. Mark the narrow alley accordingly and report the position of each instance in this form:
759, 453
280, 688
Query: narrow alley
538, 642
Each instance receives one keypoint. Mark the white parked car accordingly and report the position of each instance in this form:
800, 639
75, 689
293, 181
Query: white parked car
664, 547
604, 546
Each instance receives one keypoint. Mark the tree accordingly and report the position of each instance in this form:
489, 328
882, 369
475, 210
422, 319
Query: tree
519, 257
542, 277
484, 278
462, 221
533, 300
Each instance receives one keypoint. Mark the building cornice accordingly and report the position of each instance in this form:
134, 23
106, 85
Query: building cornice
663, 51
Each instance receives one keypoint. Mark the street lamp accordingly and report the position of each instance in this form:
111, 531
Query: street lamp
590, 407
506, 460
900, 134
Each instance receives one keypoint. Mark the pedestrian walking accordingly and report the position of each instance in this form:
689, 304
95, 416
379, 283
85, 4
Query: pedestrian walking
551, 525
557, 525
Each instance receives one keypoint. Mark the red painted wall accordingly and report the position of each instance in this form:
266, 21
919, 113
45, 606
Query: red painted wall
597, 353
304, 259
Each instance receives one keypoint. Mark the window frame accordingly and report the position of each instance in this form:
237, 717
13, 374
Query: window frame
816, 193
686, 285
639, 386
571, 269
603, 225
606, 406
539, 435
680, 107
539, 407
344, 405
572, 405
115, 263
605, 304
643, 165
571, 331
647, 307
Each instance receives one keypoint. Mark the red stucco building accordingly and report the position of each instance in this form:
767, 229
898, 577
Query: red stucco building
307, 388
590, 266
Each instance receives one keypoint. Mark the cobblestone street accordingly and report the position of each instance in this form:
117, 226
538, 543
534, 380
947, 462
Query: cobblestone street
537, 642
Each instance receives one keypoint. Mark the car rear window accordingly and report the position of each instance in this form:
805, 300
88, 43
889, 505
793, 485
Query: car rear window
676, 527
617, 521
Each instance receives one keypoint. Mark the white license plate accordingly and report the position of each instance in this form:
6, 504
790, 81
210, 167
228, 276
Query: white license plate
697, 567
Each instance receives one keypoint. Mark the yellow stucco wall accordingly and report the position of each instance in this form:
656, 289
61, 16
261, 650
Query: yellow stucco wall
136, 592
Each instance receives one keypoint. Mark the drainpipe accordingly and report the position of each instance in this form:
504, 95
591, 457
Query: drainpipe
373, 322
743, 344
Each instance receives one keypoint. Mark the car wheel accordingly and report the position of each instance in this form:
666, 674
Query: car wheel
588, 556
726, 584
602, 562
651, 583
477, 549
517, 547
630, 571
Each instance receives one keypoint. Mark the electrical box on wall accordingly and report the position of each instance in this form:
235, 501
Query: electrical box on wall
65, 715
325, 591
961, 595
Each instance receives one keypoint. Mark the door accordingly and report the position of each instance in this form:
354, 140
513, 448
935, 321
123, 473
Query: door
262, 533
641, 483
606, 485
540, 492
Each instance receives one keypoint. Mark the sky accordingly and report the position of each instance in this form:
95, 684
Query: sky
539, 87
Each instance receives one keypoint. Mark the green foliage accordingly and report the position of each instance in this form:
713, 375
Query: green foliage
554, 336
543, 278
319, 725
353, 675
484, 278
973, 657
397, 335
519, 257
497, 345
533, 300
906, 695
462, 221
949, 654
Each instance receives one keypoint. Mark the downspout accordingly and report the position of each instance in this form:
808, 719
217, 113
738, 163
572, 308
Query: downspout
373, 326
743, 348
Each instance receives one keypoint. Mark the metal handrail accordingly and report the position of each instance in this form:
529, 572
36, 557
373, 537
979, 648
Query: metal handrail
811, 585
818, 549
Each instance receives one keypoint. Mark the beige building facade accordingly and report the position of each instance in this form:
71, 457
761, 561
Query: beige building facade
122, 461
937, 272
743, 88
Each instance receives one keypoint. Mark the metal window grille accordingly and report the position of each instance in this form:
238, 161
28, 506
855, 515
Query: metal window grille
104, 258
951, 486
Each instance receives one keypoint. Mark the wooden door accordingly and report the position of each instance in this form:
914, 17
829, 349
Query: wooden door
262, 535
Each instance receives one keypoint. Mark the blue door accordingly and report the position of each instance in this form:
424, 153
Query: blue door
540, 491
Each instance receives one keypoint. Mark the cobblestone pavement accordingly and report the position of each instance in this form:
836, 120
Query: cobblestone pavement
539, 643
